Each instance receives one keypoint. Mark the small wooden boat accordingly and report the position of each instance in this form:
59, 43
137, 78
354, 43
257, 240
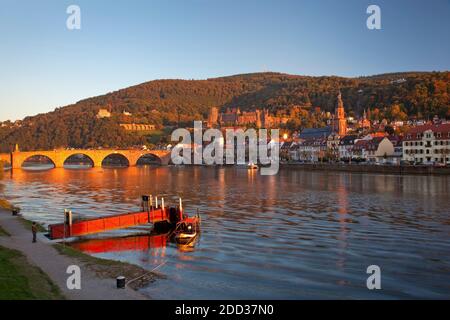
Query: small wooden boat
187, 230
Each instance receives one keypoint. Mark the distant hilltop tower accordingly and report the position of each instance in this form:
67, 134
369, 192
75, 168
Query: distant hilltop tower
213, 117
259, 119
340, 123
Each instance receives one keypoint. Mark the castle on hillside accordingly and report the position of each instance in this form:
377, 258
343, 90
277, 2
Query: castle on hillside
237, 118
263, 119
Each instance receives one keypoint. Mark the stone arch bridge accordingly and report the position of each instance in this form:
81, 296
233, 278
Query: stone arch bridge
58, 157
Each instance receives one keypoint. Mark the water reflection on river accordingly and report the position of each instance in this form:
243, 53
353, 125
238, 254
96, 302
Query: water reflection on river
298, 234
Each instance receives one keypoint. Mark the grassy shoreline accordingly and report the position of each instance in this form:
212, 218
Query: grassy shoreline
21, 280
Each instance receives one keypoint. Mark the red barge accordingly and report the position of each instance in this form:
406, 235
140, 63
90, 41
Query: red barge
162, 218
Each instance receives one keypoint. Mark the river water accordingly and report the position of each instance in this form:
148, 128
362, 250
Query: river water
296, 235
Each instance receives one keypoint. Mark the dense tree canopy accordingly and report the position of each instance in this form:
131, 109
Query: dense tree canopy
171, 102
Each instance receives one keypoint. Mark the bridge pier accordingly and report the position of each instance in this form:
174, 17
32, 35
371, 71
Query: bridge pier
59, 163
165, 160
16, 162
97, 163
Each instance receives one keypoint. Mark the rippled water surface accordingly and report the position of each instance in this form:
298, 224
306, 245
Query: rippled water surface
295, 235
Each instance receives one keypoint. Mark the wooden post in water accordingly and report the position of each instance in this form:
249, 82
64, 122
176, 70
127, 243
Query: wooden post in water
64, 229
67, 221
150, 210
69, 217
181, 209
149, 203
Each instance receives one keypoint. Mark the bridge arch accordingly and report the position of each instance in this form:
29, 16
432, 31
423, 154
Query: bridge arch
149, 158
38, 161
116, 159
80, 159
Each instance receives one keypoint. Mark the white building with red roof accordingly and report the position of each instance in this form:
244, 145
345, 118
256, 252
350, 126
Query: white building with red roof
427, 144
376, 150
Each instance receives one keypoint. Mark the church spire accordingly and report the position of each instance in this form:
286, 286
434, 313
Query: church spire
340, 121
340, 104
340, 107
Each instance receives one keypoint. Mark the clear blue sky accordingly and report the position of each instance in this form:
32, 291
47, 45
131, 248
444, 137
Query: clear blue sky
121, 43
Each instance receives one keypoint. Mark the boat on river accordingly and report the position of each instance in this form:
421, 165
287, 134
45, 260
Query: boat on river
187, 230
153, 211
252, 166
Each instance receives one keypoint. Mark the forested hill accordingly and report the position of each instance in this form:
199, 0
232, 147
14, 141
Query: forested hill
164, 102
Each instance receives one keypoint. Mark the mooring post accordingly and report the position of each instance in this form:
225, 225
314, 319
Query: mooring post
181, 209
64, 228
70, 222
143, 202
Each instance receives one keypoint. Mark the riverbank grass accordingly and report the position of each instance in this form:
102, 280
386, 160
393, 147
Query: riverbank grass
22, 281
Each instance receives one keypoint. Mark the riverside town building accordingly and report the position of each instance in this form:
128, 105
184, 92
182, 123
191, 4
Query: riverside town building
428, 143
